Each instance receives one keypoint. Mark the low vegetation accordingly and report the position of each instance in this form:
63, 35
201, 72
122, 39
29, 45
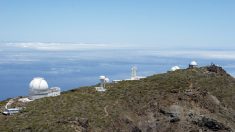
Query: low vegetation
185, 100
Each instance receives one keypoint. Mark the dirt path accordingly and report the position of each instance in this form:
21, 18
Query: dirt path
105, 110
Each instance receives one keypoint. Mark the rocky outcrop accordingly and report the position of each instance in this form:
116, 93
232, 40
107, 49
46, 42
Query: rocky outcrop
217, 69
173, 113
203, 121
79, 124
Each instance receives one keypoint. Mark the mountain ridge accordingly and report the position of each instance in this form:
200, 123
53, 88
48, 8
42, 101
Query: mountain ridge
197, 99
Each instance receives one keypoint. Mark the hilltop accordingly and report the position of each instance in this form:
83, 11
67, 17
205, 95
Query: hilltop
195, 100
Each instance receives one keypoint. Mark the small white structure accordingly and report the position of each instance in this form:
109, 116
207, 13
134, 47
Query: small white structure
174, 68
38, 88
24, 100
11, 111
116, 81
134, 74
54, 91
103, 81
193, 64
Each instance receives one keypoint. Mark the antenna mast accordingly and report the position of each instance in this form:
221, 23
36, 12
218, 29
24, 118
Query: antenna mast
133, 72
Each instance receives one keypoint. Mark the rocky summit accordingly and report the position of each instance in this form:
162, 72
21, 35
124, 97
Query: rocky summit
188, 100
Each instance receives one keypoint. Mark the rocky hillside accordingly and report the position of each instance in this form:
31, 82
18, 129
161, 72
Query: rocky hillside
190, 100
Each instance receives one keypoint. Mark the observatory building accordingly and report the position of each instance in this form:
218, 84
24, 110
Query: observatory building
38, 88
193, 64
134, 74
103, 81
174, 68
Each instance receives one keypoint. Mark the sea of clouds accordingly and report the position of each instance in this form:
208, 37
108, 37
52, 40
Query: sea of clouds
107, 50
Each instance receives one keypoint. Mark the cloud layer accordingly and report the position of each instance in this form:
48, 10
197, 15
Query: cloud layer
36, 52
60, 46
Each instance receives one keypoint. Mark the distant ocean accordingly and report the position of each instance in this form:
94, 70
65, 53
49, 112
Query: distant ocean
70, 66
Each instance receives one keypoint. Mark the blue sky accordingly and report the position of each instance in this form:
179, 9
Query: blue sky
162, 23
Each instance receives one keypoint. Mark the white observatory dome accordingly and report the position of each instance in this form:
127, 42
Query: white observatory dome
193, 63
174, 68
38, 84
102, 77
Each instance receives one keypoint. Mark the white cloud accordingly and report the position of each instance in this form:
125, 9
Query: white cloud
61, 46
25, 53
195, 54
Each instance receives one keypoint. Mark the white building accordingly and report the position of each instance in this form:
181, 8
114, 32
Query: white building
116, 81
174, 68
193, 64
134, 74
24, 100
11, 111
103, 81
38, 88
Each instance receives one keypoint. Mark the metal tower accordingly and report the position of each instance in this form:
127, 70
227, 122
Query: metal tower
133, 72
